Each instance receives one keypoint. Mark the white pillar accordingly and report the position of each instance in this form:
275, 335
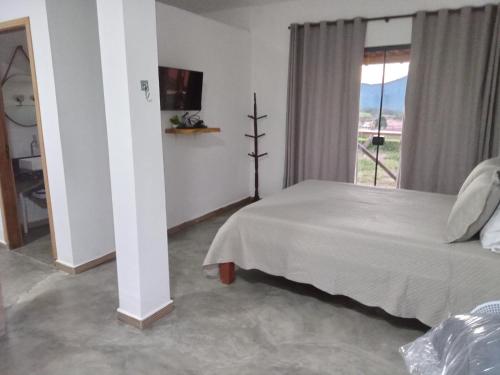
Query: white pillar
127, 32
74, 42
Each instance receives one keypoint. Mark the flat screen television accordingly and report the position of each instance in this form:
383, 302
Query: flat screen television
180, 90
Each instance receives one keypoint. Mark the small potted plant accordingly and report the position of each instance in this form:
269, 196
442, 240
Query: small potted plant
175, 121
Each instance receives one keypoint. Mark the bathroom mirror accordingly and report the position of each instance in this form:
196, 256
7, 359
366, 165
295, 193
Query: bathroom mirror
19, 101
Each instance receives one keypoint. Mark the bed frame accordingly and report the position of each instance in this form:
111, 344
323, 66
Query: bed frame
226, 273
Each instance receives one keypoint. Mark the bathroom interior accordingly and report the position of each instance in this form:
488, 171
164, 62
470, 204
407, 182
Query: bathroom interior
24, 146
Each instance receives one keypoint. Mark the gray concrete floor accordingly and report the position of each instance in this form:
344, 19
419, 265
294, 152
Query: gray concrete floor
37, 244
62, 324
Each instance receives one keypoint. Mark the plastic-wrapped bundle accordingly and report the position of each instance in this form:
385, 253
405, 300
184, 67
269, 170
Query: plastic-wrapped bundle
461, 345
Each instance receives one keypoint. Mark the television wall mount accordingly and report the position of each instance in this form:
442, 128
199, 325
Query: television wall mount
255, 154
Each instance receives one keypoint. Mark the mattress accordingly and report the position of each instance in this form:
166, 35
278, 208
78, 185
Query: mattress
381, 247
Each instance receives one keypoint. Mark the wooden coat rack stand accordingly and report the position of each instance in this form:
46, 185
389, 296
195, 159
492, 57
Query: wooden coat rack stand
256, 137
227, 270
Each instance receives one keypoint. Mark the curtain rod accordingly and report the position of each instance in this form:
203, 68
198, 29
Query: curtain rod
388, 18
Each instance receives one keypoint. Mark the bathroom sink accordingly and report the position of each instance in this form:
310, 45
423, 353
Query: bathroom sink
31, 164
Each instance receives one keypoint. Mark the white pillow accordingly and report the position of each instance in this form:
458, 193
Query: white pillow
490, 234
474, 207
484, 166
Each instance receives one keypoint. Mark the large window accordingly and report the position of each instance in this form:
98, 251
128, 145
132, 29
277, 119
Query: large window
381, 116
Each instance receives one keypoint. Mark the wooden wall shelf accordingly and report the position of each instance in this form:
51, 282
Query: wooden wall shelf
192, 130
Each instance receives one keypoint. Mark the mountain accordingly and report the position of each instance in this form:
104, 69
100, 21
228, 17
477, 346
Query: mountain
394, 96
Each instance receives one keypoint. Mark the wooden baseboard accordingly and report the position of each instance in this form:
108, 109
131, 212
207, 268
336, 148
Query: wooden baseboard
147, 322
219, 211
85, 266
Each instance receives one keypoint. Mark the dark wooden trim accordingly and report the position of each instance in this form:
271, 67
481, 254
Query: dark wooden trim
7, 26
242, 203
86, 266
147, 322
14, 25
41, 141
227, 273
12, 229
389, 54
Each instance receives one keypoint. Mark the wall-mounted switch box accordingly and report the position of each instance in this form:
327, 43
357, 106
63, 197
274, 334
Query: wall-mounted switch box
145, 88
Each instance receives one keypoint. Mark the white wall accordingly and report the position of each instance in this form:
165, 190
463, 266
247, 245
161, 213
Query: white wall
207, 171
270, 43
76, 59
36, 11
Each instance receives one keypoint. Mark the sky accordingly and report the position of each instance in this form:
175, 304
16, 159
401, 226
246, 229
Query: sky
372, 73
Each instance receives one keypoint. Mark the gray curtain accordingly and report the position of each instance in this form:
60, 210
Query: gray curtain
323, 100
452, 101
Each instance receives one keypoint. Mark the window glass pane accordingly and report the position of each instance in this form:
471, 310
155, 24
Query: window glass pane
391, 126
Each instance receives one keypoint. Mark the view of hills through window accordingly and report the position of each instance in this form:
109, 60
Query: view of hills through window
391, 124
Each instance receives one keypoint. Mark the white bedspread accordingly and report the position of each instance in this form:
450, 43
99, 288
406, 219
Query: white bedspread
381, 247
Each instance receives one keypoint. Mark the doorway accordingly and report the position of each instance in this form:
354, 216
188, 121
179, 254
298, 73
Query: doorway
381, 115
26, 209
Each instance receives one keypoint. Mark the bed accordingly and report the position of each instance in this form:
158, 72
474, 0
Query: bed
381, 247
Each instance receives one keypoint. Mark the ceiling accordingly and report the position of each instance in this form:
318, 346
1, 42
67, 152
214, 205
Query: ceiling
205, 6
